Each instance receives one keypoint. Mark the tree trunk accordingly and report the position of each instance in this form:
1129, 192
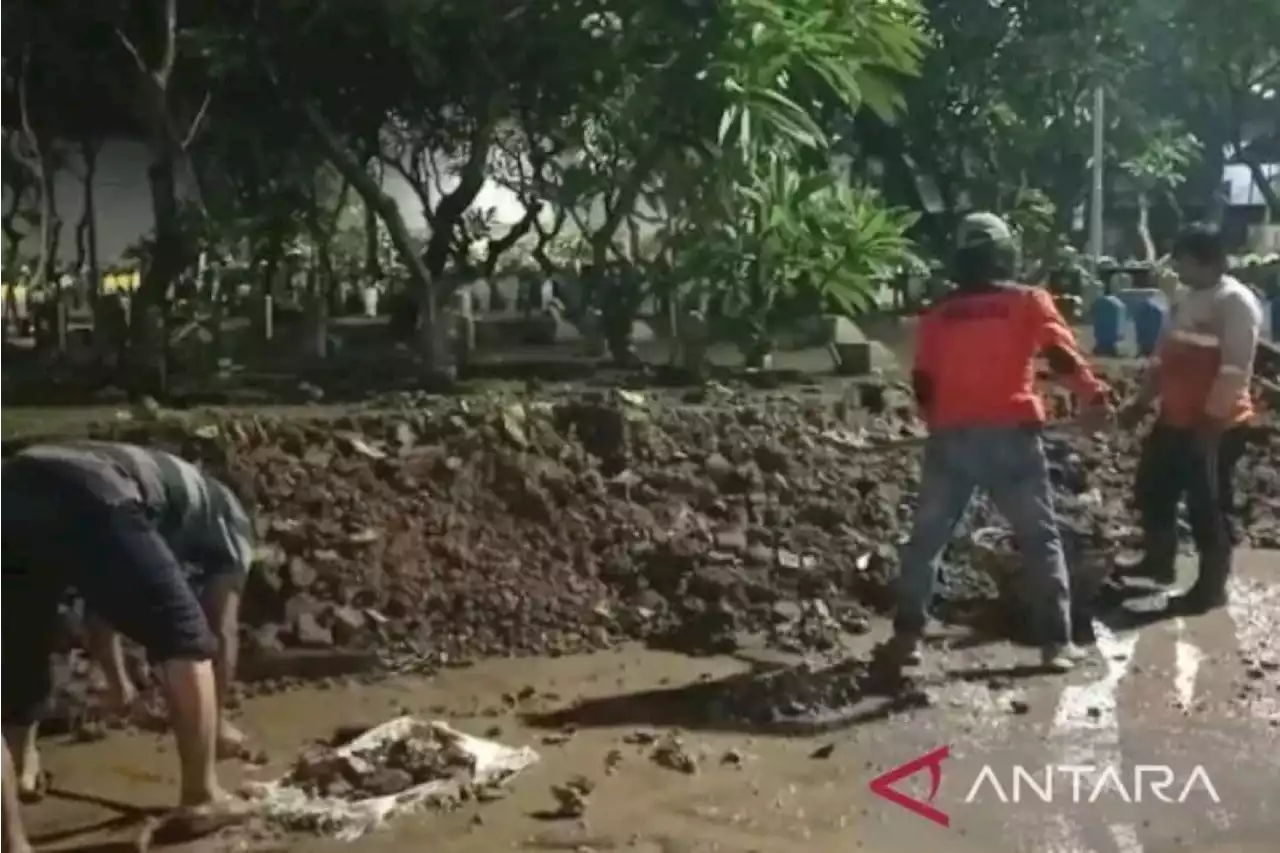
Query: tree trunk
372, 261
89, 151
1146, 244
167, 258
602, 241
420, 282
1265, 187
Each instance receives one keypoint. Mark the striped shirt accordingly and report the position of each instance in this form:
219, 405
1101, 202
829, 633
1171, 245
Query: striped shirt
198, 516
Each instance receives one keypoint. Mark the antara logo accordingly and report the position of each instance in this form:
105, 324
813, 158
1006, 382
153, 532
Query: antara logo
882, 785
1051, 783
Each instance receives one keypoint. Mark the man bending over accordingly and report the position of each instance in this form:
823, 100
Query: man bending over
114, 522
214, 540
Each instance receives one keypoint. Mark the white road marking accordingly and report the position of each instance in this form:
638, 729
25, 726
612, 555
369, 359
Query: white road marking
1187, 658
1086, 730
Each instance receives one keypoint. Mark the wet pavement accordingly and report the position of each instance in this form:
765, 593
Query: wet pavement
1191, 702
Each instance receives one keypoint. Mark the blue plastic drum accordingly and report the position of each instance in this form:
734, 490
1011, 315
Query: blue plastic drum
1149, 316
1108, 325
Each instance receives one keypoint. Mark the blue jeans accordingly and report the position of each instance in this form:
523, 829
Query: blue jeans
1009, 464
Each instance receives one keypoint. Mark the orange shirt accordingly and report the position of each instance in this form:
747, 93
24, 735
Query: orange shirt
976, 357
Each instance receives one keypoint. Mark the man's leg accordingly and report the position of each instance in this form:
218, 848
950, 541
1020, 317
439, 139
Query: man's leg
135, 583
1158, 490
1230, 451
1212, 473
945, 492
1018, 481
15, 835
30, 612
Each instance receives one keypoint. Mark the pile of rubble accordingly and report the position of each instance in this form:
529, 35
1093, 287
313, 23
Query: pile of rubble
421, 756
450, 529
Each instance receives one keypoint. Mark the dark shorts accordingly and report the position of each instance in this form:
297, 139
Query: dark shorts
59, 535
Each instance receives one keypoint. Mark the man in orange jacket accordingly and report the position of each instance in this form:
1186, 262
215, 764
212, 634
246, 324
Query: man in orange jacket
1200, 375
974, 379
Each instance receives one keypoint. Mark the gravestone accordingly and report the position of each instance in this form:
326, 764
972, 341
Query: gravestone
850, 348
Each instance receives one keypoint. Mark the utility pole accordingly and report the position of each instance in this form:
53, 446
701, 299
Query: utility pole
1096, 198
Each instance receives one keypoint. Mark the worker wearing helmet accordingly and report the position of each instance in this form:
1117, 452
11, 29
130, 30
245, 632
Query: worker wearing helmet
974, 375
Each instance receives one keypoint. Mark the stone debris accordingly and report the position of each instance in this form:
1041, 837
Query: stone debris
420, 757
433, 532
671, 753
572, 797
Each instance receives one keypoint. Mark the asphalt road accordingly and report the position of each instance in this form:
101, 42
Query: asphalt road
1181, 694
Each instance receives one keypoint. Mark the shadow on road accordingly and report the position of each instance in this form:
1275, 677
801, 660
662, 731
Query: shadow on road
109, 825
762, 700
128, 810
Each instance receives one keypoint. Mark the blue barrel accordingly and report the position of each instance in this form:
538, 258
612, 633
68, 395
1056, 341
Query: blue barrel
1108, 325
1149, 315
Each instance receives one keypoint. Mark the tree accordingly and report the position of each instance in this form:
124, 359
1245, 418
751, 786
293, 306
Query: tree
1231, 58
423, 89
1003, 105
791, 245
1160, 167
770, 73
773, 233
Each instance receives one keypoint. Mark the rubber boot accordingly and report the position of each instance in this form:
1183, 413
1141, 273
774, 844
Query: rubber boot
1209, 592
1159, 558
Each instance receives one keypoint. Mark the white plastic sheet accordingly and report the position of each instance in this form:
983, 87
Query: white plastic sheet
347, 820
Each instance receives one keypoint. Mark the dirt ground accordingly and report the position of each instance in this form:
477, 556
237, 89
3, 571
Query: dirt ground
1177, 693
1183, 693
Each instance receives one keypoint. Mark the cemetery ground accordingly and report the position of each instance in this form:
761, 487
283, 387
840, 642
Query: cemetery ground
617, 578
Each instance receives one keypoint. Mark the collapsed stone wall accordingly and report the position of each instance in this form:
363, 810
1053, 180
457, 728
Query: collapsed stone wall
443, 530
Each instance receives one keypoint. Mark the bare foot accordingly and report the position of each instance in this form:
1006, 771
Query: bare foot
33, 782
232, 743
186, 823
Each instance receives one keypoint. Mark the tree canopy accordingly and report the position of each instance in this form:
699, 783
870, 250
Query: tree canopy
711, 126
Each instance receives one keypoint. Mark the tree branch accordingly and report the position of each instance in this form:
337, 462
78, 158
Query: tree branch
514, 235
132, 50
170, 54
197, 121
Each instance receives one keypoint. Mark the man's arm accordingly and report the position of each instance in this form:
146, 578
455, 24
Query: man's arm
1241, 328
224, 554
220, 600
107, 652
1057, 343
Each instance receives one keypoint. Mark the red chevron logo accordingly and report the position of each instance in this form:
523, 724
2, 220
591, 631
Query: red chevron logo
882, 785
